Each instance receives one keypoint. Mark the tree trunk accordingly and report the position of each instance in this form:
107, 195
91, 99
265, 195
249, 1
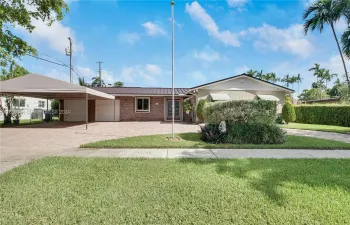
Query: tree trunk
341, 55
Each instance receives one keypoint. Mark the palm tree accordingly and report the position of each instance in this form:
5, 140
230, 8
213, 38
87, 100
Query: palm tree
317, 70
96, 82
327, 76
82, 82
260, 75
325, 12
299, 79
118, 84
251, 73
286, 79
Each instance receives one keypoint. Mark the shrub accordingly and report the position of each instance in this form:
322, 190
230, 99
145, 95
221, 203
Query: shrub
254, 133
279, 119
288, 112
200, 108
213, 133
338, 115
259, 111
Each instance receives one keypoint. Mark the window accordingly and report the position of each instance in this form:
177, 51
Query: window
143, 104
41, 104
19, 102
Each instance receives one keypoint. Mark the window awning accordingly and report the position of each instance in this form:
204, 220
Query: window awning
268, 97
219, 97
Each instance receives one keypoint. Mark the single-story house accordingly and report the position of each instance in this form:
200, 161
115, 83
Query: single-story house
139, 103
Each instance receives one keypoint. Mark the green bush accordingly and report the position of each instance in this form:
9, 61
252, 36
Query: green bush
288, 113
213, 133
279, 119
338, 115
252, 111
200, 108
254, 133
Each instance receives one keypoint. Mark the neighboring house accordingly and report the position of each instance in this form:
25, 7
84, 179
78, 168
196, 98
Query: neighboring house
79, 103
32, 108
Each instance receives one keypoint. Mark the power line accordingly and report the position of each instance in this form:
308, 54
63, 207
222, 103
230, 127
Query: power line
37, 57
59, 64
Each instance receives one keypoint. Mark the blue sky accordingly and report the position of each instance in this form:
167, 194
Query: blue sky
213, 40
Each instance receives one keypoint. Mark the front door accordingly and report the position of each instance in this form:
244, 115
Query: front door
177, 109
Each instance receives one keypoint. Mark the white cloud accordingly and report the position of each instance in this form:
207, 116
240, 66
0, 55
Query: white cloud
153, 69
341, 25
291, 40
207, 54
198, 76
237, 3
59, 75
130, 38
241, 70
199, 15
55, 36
141, 74
153, 29
86, 72
334, 64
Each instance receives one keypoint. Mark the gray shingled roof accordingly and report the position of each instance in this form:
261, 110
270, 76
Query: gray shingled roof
141, 91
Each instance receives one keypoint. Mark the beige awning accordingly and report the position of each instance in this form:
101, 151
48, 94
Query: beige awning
219, 97
39, 86
268, 97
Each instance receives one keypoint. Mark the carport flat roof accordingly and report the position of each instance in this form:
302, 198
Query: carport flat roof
39, 86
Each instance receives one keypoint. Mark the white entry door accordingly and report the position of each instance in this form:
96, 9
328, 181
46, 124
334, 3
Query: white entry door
105, 110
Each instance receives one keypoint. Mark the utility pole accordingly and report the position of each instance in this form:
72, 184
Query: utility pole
172, 3
69, 52
100, 71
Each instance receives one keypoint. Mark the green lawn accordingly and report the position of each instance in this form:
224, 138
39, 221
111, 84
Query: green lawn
182, 191
192, 140
327, 128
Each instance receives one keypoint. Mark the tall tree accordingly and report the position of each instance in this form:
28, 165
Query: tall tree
82, 82
22, 13
317, 70
327, 76
118, 84
251, 73
13, 71
259, 75
96, 82
325, 12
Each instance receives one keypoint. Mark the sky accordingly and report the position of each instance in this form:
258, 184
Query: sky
213, 40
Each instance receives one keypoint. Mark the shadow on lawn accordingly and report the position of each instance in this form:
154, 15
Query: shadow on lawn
269, 175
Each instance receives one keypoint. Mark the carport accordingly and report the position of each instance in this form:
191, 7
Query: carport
39, 86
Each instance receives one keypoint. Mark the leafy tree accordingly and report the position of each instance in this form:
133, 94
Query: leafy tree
21, 13
270, 77
96, 82
313, 94
326, 12
200, 108
13, 71
317, 70
82, 82
259, 75
118, 84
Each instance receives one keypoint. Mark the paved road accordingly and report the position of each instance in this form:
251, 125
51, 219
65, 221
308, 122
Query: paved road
206, 153
320, 134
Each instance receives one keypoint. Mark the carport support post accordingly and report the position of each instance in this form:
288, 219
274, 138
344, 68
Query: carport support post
86, 108
114, 109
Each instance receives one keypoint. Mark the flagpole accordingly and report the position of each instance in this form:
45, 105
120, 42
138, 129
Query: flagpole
172, 67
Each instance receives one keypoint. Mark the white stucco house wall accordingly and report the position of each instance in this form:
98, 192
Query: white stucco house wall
33, 108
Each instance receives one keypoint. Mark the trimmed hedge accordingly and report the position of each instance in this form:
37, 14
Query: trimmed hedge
200, 108
338, 115
254, 133
252, 111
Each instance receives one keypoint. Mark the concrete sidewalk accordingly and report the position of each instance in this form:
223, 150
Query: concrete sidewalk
207, 153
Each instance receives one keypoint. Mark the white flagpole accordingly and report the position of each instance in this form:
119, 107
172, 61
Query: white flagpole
172, 66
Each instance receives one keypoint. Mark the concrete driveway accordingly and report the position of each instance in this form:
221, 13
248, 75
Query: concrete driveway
21, 144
